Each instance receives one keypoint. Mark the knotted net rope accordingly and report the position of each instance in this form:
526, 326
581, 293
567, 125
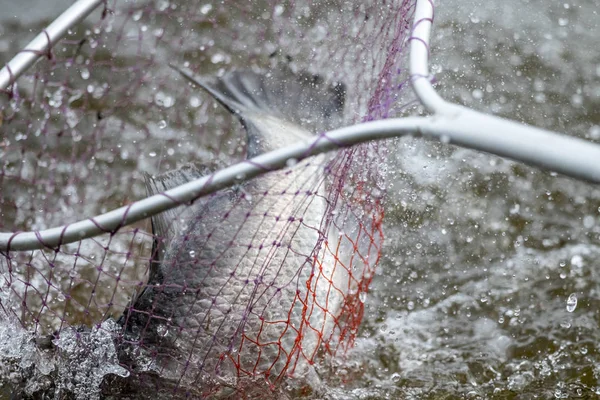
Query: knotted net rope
274, 283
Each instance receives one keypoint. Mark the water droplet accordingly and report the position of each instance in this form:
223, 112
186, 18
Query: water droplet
163, 100
192, 253
477, 94
217, 58
589, 221
85, 73
278, 10
163, 5
362, 297
194, 102
205, 9
137, 15
162, 330
162, 124
572, 302
577, 261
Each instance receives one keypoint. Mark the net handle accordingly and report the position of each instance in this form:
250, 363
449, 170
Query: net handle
45, 40
450, 123
573, 157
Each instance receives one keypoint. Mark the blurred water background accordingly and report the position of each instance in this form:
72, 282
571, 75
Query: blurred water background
489, 285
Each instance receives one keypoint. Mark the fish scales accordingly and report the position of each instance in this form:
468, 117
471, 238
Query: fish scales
234, 287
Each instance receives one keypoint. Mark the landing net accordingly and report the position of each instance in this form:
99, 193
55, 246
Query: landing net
263, 286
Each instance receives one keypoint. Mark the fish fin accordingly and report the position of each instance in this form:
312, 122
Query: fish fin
167, 222
275, 102
164, 226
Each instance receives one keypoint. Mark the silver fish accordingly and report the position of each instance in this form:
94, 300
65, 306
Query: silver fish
239, 286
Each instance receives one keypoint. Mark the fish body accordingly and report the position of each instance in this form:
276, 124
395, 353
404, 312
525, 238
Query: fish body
237, 286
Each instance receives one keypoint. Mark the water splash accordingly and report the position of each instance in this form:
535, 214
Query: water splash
75, 364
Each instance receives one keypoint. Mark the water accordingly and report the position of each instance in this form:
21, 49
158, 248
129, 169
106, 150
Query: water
489, 283
484, 258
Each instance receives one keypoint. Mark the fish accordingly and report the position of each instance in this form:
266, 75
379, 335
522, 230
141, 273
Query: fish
238, 289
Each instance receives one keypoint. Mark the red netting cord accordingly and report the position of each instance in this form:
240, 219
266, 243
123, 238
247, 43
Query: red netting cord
78, 133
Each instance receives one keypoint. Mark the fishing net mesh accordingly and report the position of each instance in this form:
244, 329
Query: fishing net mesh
80, 129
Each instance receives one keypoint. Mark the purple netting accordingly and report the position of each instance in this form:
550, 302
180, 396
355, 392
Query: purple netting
284, 261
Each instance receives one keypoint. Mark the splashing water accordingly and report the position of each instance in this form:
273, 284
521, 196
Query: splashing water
76, 362
481, 254
105, 108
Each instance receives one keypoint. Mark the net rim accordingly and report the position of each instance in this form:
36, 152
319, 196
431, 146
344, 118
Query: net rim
450, 123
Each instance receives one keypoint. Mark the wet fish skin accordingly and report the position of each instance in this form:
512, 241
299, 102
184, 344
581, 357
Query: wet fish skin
233, 284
